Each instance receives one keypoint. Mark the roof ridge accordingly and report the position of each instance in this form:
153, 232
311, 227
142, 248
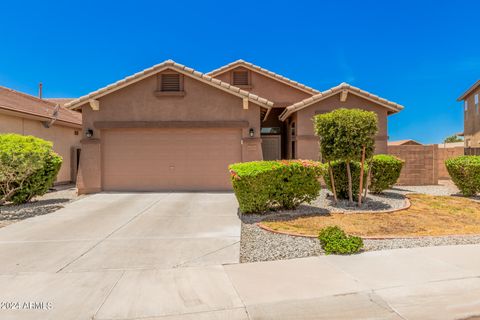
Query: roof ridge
179, 67
29, 96
334, 90
264, 71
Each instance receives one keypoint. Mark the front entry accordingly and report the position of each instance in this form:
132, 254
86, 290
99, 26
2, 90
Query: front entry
272, 147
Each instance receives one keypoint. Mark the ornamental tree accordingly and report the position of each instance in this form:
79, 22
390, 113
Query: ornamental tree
346, 135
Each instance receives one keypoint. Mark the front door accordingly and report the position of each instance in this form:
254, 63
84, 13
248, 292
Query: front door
271, 147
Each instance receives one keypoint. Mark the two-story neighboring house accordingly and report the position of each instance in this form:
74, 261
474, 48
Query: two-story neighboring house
471, 121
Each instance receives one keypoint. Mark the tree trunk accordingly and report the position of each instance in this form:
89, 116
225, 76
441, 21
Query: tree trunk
361, 177
332, 180
350, 192
367, 184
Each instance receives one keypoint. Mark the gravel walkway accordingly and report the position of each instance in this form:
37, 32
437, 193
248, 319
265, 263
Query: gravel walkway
260, 245
48, 203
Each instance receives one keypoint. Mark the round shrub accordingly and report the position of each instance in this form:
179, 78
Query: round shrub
28, 167
339, 169
268, 185
385, 171
334, 240
465, 173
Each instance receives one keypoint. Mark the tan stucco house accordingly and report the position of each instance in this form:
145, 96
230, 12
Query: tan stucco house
28, 115
471, 122
170, 127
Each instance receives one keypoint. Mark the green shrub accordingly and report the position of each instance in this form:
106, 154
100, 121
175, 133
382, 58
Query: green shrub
267, 185
28, 167
465, 173
339, 169
385, 171
334, 240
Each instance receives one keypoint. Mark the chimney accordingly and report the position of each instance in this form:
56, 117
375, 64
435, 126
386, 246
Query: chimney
40, 86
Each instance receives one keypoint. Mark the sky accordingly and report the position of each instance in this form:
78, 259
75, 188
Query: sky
420, 54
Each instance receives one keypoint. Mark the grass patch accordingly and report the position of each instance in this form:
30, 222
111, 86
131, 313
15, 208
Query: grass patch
427, 216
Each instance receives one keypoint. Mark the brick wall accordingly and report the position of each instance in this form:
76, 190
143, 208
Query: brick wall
421, 164
444, 154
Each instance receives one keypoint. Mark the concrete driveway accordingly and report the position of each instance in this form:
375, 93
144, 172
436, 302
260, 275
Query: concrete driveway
174, 257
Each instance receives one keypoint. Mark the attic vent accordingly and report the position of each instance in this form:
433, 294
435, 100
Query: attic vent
170, 82
240, 78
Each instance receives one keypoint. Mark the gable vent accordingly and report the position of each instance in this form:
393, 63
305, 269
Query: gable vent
240, 78
170, 82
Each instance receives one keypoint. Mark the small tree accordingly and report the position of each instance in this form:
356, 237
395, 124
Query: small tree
453, 138
28, 167
348, 135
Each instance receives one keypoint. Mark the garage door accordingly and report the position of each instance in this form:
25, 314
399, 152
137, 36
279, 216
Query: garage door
169, 159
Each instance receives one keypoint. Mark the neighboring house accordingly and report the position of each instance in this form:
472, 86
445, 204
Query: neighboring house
28, 115
170, 127
408, 142
471, 122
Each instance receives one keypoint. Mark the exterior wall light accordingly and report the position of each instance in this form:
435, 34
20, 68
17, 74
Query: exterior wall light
251, 132
89, 133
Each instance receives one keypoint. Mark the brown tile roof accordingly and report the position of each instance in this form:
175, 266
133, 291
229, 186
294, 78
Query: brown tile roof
403, 142
392, 106
170, 64
466, 93
60, 101
270, 74
26, 104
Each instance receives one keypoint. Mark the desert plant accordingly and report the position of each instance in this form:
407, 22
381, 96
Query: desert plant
465, 173
341, 180
348, 135
28, 167
384, 172
334, 240
453, 138
265, 185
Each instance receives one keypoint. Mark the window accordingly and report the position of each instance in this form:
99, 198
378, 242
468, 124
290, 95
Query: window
240, 78
170, 82
270, 130
292, 129
476, 103
465, 103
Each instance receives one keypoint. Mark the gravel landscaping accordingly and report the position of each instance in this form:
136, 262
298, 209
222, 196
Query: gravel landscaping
48, 203
261, 245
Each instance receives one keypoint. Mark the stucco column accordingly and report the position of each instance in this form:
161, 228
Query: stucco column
252, 149
90, 171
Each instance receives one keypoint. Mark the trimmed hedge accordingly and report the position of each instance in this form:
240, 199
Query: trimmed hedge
28, 167
339, 169
334, 240
465, 173
268, 185
385, 171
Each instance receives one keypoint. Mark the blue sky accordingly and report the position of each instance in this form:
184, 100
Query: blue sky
422, 54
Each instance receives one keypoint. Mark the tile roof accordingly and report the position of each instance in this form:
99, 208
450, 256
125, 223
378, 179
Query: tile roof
403, 142
466, 93
23, 103
392, 106
60, 101
263, 71
170, 64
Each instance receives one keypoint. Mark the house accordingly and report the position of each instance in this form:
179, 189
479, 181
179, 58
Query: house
170, 127
471, 122
407, 142
28, 115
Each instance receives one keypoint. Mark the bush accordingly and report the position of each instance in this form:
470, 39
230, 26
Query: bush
385, 171
465, 173
334, 240
28, 167
265, 185
339, 169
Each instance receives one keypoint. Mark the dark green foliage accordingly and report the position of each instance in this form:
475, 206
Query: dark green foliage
344, 132
453, 138
334, 240
267, 185
28, 167
385, 171
465, 173
339, 169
